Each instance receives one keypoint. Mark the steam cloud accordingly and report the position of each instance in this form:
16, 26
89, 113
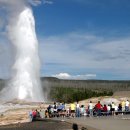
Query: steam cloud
25, 80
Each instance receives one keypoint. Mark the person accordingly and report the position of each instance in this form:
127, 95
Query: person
55, 109
37, 113
49, 110
82, 110
127, 105
63, 111
98, 108
123, 105
59, 107
120, 107
77, 110
72, 107
105, 110
46, 114
30, 116
34, 115
42, 113
108, 109
90, 109
113, 109
68, 112
116, 109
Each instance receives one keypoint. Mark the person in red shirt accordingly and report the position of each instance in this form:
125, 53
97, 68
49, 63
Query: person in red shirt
98, 108
105, 109
34, 115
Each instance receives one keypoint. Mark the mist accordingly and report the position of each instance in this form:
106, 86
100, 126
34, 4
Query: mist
25, 71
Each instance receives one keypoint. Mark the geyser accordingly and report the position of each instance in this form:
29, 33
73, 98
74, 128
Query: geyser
25, 80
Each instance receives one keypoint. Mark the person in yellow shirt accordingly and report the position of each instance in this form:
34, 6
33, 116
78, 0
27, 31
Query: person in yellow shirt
72, 107
123, 105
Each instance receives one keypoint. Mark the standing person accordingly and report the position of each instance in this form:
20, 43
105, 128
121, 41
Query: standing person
123, 105
113, 109
34, 114
55, 109
127, 105
108, 109
30, 116
120, 107
72, 107
77, 110
90, 109
98, 108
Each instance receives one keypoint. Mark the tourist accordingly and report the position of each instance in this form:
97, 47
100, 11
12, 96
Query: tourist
108, 109
30, 116
116, 109
49, 110
59, 107
90, 109
105, 110
82, 110
63, 111
77, 110
37, 113
42, 113
98, 108
123, 105
46, 114
72, 107
68, 112
127, 105
120, 107
113, 108
34, 115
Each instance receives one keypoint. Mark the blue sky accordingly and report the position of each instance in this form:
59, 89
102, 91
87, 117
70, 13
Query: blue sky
84, 39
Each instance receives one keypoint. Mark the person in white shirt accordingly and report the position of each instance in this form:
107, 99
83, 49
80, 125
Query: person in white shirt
108, 109
127, 105
90, 108
113, 108
77, 110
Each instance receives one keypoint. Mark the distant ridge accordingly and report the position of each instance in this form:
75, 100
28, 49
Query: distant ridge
114, 85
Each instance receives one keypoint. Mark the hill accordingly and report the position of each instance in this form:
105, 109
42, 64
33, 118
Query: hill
71, 90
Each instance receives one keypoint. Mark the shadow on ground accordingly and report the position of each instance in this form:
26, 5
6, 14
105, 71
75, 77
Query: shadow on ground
39, 125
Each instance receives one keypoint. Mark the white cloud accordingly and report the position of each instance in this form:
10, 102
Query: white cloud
47, 2
83, 51
77, 77
35, 2
80, 51
62, 76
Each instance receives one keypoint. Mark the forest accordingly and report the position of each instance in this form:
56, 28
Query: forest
74, 90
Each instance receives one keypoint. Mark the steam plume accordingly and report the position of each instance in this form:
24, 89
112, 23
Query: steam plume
25, 80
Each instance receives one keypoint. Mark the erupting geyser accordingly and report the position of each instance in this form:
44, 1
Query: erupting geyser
25, 80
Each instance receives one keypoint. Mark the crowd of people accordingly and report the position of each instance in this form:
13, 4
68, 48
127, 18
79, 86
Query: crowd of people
77, 110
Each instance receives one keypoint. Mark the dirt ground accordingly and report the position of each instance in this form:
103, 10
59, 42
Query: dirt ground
39, 125
122, 93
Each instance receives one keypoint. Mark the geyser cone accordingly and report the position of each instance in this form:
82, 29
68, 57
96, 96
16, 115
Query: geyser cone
25, 82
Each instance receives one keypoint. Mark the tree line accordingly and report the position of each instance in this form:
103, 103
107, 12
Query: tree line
67, 94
